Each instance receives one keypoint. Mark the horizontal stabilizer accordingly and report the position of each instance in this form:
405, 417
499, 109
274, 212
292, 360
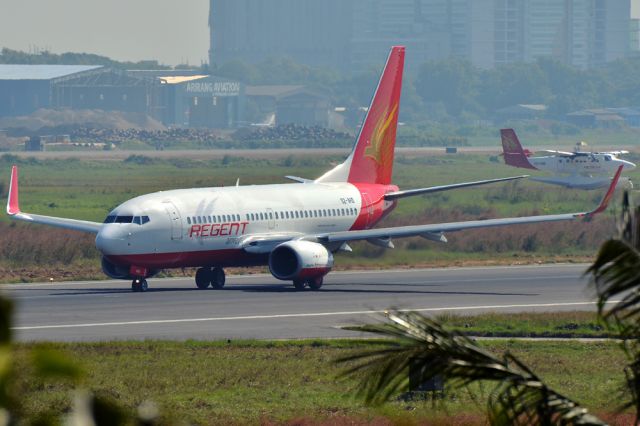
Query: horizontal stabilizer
299, 179
421, 191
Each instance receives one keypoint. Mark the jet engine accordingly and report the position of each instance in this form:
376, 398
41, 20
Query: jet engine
297, 260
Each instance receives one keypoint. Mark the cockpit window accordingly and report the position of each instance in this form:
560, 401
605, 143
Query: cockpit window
138, 220
607, 158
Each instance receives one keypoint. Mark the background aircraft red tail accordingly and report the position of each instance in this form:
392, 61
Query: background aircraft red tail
514, 154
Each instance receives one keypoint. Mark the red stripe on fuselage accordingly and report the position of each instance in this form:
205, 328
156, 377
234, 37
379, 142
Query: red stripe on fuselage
374, 208
222, 258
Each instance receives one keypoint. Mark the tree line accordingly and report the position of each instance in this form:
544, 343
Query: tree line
450, 90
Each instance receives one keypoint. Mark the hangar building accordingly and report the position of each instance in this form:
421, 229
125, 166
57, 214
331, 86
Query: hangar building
203, 101
26, 88
292, 104
174, 97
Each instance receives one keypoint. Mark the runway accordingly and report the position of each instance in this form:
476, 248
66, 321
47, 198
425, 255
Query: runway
261, 307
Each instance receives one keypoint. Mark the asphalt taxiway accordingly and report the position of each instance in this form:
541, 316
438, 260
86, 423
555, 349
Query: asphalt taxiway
261, 307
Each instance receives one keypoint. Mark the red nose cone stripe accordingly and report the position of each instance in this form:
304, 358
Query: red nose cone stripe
13, 206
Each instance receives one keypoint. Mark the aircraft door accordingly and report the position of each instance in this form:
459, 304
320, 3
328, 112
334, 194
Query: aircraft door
175, 219
271, 220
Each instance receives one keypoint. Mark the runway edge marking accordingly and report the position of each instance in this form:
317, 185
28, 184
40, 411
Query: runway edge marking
301, 315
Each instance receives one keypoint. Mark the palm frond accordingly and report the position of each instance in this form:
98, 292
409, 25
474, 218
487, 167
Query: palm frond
519, 397
616, 275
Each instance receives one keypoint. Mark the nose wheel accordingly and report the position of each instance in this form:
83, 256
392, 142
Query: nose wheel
213, 277
312, 283
139, 285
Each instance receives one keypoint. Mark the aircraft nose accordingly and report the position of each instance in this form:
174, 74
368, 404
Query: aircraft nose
628, 165
109, 240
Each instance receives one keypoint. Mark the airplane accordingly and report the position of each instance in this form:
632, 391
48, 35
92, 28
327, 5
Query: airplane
294, 228
581, 170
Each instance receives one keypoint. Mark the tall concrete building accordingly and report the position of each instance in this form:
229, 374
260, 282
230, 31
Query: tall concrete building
419, 25
354, 34
309, 31
582, 33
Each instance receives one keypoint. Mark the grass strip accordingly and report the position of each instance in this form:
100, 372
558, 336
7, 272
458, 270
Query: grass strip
294, 382
560, 325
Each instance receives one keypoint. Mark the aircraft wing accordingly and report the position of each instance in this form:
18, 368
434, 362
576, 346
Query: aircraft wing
421, 191
264, 243
428, 231
563, 153
616, 153
13, 210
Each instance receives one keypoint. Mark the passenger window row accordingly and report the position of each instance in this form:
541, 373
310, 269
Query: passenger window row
138, 220
302, 214
223, 218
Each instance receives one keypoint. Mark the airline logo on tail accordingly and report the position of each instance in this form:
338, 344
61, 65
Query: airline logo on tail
372, 160
383, 139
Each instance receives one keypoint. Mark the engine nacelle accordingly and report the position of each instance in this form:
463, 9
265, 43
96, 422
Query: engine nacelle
296, 260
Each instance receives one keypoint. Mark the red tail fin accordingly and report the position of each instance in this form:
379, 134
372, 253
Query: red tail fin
371, 160
512, 150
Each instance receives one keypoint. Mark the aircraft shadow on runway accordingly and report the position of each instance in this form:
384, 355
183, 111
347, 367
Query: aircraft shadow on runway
288, 288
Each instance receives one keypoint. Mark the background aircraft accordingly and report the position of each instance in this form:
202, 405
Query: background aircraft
583, 170
293, 228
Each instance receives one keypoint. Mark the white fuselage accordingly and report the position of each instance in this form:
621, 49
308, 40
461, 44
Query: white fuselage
584, 164
186, 225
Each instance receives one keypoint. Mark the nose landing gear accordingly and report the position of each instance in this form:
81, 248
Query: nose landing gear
213, 277
312, 283
139, 285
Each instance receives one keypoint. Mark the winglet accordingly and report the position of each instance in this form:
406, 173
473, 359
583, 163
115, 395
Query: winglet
607, 197
13, 207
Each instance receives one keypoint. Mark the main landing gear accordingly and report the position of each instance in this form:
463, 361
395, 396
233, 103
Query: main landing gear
213, 277
312, 283
139, 285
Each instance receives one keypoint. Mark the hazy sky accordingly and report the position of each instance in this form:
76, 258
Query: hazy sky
167, 30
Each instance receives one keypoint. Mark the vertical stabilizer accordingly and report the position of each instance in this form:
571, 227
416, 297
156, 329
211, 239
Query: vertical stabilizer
514, 154
371, 160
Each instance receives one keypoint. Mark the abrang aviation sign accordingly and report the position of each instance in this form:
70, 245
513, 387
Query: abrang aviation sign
213, 88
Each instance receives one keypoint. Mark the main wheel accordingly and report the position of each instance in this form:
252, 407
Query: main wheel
217, 278
315, 283
203, 278
299, 284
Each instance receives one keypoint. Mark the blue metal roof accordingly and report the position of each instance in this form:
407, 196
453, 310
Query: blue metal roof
41, 72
